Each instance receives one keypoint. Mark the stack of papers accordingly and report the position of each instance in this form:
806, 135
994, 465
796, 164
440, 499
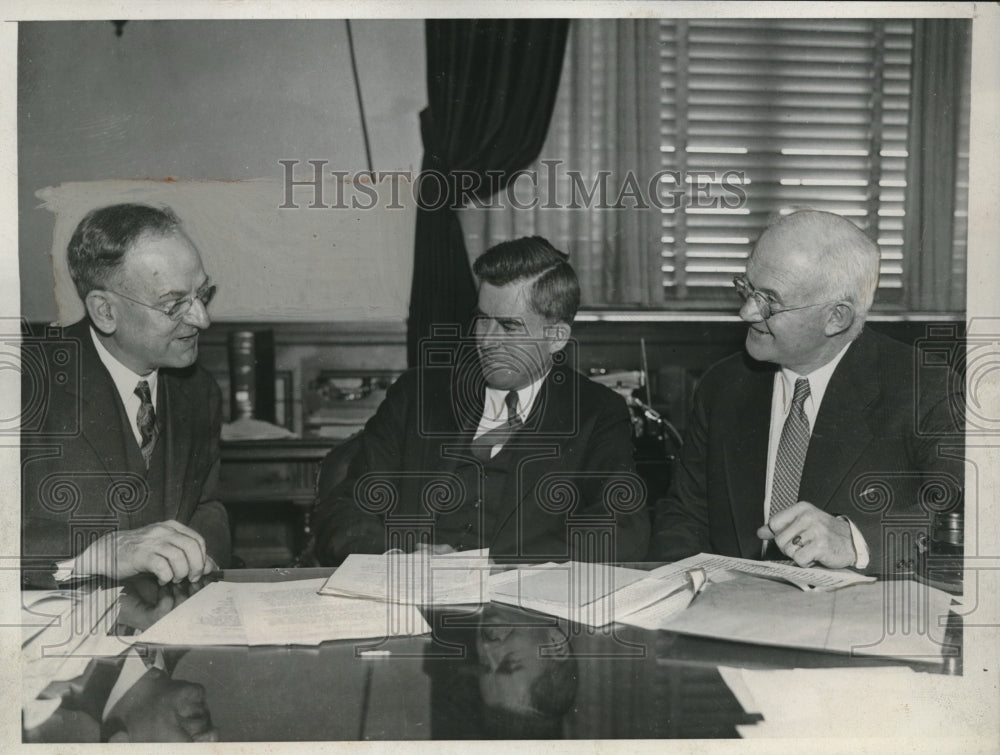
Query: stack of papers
896, 619
813, 579
278, 613
597, 594
413, 579
892, 702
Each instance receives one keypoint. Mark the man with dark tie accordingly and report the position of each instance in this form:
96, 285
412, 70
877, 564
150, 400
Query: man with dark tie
120, 452
821, 443
494, 441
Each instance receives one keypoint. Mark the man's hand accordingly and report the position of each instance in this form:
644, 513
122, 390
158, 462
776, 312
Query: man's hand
144, 601
808, 535
167, 550
434, 550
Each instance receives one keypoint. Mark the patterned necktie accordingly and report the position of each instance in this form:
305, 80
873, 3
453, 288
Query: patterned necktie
513, 418
791, 451
482, 447
146, 420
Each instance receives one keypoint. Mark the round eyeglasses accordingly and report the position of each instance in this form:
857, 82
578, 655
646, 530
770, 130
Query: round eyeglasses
179, 308
766, 306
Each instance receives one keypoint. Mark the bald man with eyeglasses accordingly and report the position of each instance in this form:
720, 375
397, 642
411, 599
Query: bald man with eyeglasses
819, 443
120, 456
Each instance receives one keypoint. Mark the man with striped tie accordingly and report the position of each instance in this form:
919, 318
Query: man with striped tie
494, 441
119, 472
819, 444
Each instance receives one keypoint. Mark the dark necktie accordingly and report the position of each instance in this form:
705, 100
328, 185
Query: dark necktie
482, 447
791, 451
146, 420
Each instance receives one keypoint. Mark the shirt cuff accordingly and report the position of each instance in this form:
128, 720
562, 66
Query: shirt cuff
64, 570
860, 546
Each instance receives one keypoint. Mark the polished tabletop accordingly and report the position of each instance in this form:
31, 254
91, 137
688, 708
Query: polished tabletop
483, 672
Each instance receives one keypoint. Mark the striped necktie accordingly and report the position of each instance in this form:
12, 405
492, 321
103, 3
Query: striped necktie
792, 449
146, 420
482, 447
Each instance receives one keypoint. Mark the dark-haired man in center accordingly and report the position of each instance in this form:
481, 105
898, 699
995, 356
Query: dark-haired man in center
494, 441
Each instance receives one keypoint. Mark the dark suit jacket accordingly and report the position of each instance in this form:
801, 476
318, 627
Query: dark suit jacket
78, 718
574, 466
75, 451
886, 451
79, 715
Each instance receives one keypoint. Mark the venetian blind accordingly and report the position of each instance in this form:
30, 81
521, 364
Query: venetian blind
760, 116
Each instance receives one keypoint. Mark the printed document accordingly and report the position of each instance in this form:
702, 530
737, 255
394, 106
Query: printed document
415, 579
884, 702
595, 594
279, 613
807, 579
893, 618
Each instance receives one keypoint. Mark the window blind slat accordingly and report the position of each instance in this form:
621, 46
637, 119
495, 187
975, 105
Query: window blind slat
786, 106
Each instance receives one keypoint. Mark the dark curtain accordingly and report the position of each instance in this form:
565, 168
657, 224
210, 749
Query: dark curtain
491, 86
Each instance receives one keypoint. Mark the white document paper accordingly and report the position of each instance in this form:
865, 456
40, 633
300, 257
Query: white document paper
414, 579
895, 618
591, 594
209, 617
815, 578
656, 615
279, 613
294, 613
892, 701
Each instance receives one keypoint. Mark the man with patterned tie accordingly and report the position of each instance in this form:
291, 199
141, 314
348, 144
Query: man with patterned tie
494, 441
119, 474
819, 444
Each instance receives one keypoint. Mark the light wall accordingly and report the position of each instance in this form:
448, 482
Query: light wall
193, 101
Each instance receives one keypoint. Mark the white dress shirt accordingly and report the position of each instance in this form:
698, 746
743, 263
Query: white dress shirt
125, 381
495, 408
781, 404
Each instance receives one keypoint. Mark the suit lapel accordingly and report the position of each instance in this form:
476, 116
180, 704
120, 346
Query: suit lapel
550, 418
177, 436
464, 395
100, 405
746, 457
842, 431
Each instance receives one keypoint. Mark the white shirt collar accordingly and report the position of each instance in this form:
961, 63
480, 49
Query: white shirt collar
819, 379
495, 407
124, 379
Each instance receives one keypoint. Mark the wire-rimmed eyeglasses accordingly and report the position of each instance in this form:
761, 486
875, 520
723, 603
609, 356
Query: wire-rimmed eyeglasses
179, 308
766, 306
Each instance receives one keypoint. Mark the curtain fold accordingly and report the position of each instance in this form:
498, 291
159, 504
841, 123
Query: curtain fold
604, 131
491, 85
940, 54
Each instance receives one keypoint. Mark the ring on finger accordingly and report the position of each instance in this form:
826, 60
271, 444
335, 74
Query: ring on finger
797, 540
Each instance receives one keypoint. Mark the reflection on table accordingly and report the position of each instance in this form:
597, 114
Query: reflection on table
483, 672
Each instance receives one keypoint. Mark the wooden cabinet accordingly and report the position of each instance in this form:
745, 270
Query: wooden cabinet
268, 487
